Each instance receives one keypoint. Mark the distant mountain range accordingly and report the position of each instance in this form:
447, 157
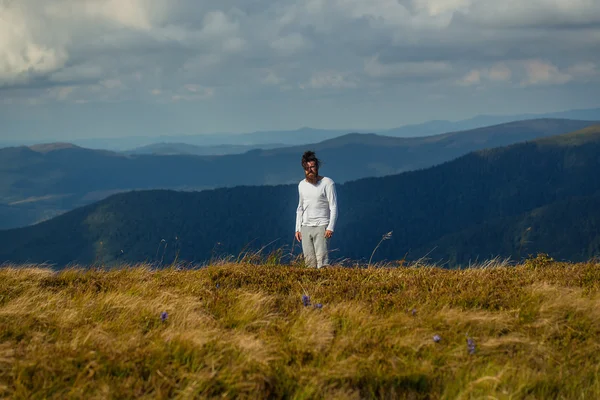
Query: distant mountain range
308, 135
43, 181
537, 196
170, 149
439, 126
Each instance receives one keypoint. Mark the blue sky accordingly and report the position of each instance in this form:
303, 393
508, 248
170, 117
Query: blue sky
105, 68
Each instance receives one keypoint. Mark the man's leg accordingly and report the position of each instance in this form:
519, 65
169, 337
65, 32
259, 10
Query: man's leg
321, 247
308, 247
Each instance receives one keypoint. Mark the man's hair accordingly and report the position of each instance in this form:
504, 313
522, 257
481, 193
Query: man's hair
309, 156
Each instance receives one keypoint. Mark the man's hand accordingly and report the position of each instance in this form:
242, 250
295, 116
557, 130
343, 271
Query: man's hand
328, 233
299, 236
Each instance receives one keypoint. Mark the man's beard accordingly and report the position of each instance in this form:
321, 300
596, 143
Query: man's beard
312, 177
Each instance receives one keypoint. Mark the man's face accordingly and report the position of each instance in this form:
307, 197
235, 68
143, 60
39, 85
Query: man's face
311, 171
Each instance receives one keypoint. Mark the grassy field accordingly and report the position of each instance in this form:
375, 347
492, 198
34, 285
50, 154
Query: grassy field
271, 331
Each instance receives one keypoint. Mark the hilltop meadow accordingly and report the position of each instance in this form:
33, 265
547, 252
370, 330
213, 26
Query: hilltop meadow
265, 330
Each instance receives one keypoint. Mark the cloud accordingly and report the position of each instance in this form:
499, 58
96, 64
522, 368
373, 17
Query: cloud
498, 73
24, 54
42, 39
543, 73
85, 72
585, 72
259, 51
193, 92
272, 79
532, 13
289, 44
539, 72
407, 70
63, 92
533, 72
441, 7
112, 84
473, 77
331, 79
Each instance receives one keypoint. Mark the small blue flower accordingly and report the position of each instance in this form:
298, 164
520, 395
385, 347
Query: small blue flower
163, 316
413, 312
471, 346
218, 286
436, 338
305, 300
319, 306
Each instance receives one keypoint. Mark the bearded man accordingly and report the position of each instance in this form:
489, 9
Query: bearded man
316, 214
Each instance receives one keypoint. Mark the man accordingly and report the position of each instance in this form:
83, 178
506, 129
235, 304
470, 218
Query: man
316, 214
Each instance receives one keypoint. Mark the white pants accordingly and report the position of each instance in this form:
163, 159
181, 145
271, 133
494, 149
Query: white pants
315, 246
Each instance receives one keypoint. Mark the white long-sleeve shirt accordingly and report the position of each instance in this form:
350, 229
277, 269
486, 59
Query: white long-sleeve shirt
317, 204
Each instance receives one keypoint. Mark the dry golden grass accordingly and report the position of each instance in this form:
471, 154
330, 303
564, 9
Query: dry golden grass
242, 331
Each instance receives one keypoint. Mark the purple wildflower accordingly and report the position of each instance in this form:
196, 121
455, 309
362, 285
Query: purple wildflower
218, 285
319, 306
305, 300
163, 316
413, 312
436, 338
471, 346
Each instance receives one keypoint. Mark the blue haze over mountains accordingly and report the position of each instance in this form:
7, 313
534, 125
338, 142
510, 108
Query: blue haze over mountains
513, 201
42, 181
305, 135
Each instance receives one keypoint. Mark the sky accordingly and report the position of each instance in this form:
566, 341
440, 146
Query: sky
111, 68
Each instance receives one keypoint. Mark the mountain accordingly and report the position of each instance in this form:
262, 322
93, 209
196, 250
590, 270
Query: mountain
303, 135
473, 207
568, 229
439, 126
170, 148
38, 185
285, 137
48, 147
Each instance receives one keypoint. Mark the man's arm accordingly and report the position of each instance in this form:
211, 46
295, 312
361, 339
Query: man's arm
333, 213
299, 212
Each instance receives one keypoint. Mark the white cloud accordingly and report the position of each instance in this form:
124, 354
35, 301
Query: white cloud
136, 49
85, 72
386, 11
130, 13
532, 72
289, 44
64, 92
584, 71
37, 38
202, 62
440, 7
473, 77
272, 79
539, 72
499, 72
409, 69
112, 84
331, 79
216, 25
234, 44
193, 92
533, 13
23, 53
